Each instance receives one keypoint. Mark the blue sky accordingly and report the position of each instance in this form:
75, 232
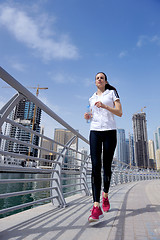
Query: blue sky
62, 44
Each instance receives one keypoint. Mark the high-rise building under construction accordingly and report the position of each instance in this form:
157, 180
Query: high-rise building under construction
140, 139
26, 114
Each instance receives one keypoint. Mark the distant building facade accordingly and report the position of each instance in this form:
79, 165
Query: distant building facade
131, 150
158, 159
26, 114
127, 149
140, 140
84, 153
121, 145
63, 136
46, 144
152, 160
156, 140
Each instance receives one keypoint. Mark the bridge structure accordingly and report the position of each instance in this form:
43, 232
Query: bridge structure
64, 198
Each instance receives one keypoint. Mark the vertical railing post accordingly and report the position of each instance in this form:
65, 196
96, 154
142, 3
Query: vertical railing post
127, 175
83, 175
124, 177
59, 201
113, 179
132, 176
117, 177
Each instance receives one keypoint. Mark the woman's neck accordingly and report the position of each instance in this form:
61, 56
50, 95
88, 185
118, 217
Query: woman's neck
100, 91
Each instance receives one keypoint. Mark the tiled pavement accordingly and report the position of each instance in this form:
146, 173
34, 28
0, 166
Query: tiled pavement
134, 214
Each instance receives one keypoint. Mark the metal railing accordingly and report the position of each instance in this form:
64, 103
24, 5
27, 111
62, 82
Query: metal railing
68, 173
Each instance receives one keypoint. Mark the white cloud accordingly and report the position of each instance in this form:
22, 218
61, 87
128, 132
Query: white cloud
58, 78
155, 39
54, 108
62, 78
81, 97
148, 39
16, 63
36, 35
65, 78
141, 41
122, 54
18, 66
89, 82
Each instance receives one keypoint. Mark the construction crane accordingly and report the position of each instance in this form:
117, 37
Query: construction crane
34, 114
141, 110
37, 91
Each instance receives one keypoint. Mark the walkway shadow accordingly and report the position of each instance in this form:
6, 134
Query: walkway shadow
50, 221
132, 212
58, 223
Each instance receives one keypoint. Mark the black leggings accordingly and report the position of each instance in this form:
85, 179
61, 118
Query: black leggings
107, 139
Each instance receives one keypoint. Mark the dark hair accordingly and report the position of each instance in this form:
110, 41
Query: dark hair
103, 74
108, 86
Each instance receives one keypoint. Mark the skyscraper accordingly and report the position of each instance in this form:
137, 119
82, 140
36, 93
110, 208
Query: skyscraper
63, 136
127, 151
140, 139
158, 136
158, 159
121, 145
26, 114
157, 139
0, 138
131, 150
152, 161
85, 152
156, 144
47, 144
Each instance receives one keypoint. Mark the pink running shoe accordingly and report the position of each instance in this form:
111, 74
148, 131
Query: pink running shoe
96, 214
105, 203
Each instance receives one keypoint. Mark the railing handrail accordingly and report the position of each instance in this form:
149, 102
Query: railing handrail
24, 91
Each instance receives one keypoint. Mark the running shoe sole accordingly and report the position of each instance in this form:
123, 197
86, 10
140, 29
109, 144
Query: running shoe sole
95, 220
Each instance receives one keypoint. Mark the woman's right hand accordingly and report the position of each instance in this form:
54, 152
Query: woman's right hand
87, 116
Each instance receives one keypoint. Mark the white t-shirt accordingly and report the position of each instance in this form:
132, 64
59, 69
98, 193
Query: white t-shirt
102, 119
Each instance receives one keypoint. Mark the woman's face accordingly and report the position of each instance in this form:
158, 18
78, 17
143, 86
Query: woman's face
100, 80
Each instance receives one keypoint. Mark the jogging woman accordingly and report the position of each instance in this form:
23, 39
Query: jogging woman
104, 104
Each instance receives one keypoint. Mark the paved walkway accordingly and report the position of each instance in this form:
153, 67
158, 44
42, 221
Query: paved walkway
134, 214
